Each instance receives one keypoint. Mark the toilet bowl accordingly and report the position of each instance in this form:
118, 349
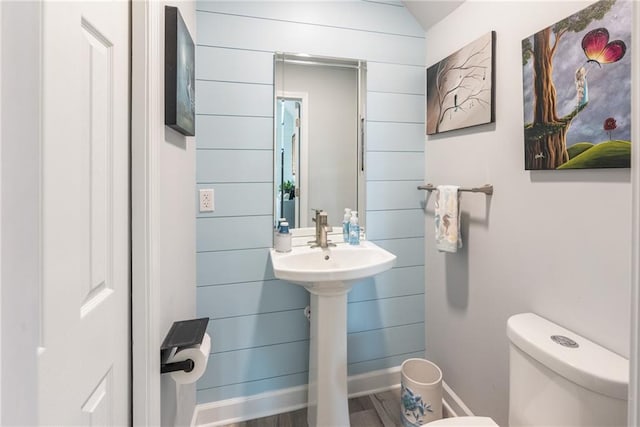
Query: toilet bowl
464, 422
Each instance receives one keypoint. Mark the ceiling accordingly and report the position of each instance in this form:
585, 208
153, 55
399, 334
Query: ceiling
430, 12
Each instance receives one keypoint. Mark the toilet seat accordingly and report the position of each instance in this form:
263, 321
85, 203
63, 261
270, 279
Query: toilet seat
464, 422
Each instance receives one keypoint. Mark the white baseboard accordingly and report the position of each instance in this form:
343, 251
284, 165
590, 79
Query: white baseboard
276, 402
240, 409
452, 404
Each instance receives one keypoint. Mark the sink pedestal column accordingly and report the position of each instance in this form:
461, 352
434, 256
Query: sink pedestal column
328, 274
328, 396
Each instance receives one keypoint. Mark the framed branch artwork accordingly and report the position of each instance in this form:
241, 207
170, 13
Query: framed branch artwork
577, 90
460, 88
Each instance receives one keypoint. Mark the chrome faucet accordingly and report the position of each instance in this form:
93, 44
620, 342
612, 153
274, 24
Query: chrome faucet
322, 228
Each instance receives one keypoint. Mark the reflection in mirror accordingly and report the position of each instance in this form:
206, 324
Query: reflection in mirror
288, 142
318, 138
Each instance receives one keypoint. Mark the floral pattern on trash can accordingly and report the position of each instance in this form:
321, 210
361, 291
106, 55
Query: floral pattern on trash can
413, 407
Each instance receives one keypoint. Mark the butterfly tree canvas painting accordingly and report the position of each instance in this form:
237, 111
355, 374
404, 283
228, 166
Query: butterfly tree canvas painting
460, 88
577, 90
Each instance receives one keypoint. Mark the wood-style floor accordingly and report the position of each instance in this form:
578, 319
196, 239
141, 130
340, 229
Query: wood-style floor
375, 410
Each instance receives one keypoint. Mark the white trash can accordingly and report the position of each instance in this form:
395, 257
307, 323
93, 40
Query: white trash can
420, 392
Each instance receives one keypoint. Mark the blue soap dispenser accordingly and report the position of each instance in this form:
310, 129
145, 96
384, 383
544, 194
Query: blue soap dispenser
354, 229
282, 241
345, 224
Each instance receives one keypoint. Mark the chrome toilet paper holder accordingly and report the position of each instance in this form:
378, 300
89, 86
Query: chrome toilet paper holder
184, 333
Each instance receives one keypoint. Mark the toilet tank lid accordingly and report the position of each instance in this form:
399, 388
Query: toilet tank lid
589, 365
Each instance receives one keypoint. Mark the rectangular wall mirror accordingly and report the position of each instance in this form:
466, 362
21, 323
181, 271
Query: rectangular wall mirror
319, 138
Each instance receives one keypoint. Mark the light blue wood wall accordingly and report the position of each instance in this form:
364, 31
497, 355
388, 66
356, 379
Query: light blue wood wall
260, 335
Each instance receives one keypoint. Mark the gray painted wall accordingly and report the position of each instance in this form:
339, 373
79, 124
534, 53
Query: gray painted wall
176, 240
556, 243
260, 336
20, 222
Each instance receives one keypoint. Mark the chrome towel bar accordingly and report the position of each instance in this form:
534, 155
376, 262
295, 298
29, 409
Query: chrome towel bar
486, 189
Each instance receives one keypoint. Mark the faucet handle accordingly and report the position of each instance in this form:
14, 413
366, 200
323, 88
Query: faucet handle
323, 217
317, 212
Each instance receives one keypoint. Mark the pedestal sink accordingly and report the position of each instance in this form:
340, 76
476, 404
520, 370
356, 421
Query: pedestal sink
328, 274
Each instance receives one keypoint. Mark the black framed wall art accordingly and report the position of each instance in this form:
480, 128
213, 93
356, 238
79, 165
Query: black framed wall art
179, 74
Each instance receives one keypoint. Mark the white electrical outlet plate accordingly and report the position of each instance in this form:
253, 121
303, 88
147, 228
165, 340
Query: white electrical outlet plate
206, 200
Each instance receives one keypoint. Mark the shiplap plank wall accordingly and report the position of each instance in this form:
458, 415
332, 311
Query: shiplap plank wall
260, 335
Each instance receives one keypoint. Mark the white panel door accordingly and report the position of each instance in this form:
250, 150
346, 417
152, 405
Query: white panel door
84, 360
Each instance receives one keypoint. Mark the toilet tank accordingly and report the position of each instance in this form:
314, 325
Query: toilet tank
562, 381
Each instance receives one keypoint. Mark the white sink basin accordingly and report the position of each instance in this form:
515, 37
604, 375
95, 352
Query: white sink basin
343, 263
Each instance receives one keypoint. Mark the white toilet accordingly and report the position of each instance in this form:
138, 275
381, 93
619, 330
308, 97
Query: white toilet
558, 378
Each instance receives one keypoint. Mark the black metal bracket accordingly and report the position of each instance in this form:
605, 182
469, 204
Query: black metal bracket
185, 333
185, 365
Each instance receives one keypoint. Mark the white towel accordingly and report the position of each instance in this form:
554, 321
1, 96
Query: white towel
447, 218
